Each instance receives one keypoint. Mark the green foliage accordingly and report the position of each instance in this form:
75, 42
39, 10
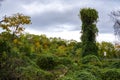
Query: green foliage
84, 75
89, 48
8, 70
60, 71
110, 63
96, 71
88, 15
46, 62
33, 73
109, 48
84, 72
65, 61
67, 78
89, 31
111, 74
115, 65
4, 46
91, 59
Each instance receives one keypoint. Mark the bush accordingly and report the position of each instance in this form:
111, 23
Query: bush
84, 75
47, 62
8, 69
78, 75
33, 73
60, 71
65, 61
67, 78
115, 65
5, 46
91, 59
111, 74
111, 63
93, 70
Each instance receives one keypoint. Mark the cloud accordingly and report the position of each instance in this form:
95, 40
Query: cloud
1, 1
52, 15
74, 35
38, 8
61, 15
55, 19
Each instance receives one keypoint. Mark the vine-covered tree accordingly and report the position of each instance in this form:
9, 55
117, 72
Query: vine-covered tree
89, 31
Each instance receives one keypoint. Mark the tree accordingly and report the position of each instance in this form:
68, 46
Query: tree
89, 31
14, 24
115, 15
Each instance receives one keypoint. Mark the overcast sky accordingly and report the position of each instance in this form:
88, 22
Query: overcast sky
59, 18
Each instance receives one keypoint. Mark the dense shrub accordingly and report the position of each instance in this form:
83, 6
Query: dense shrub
60, 71
8, 70
115, 65
110, 63
96, 71
91, 59
4, 46
46, 62
79, 75
111, 74
67, 78
65, 61
84, 75
33, 73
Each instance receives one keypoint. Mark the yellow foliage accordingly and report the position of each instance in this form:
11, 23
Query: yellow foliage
62, 47
37, 44
15, 41
61, 50
15, 23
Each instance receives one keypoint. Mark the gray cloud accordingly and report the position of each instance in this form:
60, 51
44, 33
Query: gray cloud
60, 15
54, 18
1, 1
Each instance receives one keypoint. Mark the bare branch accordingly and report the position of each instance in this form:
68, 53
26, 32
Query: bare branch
115, 15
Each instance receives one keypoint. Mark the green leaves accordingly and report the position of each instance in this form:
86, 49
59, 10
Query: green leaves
111, 74
89, 31
88, 15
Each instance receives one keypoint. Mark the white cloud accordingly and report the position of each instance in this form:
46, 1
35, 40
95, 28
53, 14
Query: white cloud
59, 17
108, 37
62, 27
74, 35
37, 7
68, 35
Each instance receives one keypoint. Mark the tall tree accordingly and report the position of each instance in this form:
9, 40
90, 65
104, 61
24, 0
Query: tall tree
89, 31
